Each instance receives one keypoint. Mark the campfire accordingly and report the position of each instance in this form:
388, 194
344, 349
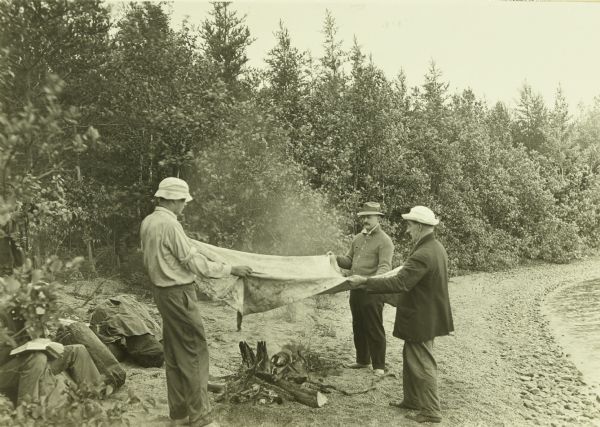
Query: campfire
283, 376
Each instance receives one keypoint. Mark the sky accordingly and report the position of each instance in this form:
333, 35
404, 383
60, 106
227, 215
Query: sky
491, 47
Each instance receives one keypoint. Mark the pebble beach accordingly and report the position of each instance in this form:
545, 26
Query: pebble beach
503, 366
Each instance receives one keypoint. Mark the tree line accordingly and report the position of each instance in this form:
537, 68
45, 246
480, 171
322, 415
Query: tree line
98, 105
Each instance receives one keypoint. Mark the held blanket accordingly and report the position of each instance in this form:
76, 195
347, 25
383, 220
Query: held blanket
276, 280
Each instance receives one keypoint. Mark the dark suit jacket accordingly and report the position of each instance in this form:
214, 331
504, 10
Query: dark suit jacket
424, 310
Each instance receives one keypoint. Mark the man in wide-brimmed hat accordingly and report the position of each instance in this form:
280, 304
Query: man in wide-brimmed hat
370, 254
173, 263
422, 316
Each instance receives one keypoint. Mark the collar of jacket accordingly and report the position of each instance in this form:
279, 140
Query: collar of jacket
166, 211
373, 230
423, 239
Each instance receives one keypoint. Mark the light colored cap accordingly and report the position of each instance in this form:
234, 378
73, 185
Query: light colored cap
370, 208
421, 214
172, 188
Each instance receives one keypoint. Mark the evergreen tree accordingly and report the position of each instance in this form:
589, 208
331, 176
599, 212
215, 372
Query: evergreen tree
287, 86
560, 126
531, 120
225, 40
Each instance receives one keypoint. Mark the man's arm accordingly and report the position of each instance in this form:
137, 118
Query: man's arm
386, 252
189, 256
345, 261
410, 274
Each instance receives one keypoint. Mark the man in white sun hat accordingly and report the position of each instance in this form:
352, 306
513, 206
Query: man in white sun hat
420, 317
173, 263
370, 254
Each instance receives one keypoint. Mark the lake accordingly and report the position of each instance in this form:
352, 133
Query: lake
574, 314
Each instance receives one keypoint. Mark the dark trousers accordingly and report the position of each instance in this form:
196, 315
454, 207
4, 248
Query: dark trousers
419, 383
186, 353
25, 373
367, 326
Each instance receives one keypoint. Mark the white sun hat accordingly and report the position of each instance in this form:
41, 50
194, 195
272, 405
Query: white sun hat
172, 188
421, 214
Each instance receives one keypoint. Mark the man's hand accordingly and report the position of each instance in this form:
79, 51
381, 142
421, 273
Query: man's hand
57, 347
241, 270
357, 282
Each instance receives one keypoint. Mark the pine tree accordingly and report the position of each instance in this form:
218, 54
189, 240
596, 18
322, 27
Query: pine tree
334, 56
559, 121
287, 84
226, 38
531, 120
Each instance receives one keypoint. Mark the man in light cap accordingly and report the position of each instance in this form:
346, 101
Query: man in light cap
423, 314
173, 263
370, 254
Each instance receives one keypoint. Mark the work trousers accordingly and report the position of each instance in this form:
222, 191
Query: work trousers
419, 370
367, 327
30, 374
186, 353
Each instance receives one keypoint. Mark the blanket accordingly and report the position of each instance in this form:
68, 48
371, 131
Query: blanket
275, 281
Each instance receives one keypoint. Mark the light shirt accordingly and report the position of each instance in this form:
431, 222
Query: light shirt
170, 257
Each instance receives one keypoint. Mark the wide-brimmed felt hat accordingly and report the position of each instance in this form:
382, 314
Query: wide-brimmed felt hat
421, 214
370, 208
172, 188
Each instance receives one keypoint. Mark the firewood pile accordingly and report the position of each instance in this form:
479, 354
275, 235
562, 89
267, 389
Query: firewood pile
285, 376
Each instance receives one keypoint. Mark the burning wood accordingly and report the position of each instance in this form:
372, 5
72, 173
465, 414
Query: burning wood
266, 380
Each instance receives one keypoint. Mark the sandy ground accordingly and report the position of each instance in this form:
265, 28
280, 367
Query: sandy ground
502, 366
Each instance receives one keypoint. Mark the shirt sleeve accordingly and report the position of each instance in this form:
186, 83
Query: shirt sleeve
345, 261
410, 274
386, 252
189, 256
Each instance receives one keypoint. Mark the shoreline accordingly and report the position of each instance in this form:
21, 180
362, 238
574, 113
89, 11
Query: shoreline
502, 366
562, 328
530, 360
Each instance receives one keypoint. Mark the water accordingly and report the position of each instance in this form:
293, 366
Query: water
574, 314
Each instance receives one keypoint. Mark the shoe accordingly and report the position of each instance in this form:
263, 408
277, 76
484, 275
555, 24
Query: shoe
179, 422
357, 366
379, 372
404, 405
420, 418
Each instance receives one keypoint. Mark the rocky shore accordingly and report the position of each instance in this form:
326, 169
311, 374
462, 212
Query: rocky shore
500, 325
502, 366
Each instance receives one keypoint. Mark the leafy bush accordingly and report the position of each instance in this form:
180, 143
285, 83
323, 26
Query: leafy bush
555, 240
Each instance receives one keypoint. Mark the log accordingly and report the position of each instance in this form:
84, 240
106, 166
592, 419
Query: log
259, 366
308, 397
248, 357
105, 361
263, 363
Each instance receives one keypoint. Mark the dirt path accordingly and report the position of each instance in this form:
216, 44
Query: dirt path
501, 367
